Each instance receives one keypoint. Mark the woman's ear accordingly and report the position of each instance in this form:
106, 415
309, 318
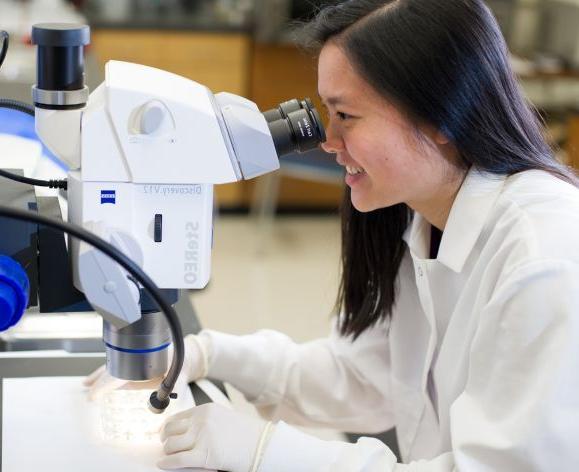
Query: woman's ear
440, 138
435, 135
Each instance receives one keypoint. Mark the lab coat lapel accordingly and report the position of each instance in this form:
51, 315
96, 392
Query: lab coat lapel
408, 358
419, 244
468, 215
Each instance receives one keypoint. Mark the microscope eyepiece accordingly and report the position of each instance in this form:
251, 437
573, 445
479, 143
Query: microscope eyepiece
295, 126
60, 65
283, 110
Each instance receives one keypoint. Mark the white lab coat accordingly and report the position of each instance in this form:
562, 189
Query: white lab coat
495, 319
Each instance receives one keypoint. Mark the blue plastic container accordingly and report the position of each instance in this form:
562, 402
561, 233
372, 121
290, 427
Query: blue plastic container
14, 292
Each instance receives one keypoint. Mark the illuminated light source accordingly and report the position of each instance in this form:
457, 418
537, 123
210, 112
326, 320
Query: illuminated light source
126, 418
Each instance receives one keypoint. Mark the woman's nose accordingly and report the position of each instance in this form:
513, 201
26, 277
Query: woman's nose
329, 148
334, 143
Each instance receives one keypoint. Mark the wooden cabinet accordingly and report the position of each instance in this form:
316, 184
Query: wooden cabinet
279, 73
218, 60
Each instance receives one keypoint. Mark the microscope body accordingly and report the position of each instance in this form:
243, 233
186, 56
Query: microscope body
149, 146
144, 150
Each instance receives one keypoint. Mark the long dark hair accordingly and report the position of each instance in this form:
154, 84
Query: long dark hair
444, 63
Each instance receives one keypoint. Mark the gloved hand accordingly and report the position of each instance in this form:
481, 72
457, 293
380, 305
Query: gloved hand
213, 437
195, 367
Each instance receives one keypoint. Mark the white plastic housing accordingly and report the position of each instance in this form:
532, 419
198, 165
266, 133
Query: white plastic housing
59, 130
182, 259
105, 283
189, 145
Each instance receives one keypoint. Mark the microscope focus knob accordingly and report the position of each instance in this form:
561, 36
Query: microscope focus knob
151, 118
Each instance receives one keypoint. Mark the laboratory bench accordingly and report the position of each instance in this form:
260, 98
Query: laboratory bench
42, 365
40, 352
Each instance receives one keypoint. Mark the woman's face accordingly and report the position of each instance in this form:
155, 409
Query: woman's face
386, 162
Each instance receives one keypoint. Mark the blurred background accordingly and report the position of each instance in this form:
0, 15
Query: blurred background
276, 253
247, 47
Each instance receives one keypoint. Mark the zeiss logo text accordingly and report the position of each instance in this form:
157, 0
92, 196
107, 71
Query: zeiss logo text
108, 196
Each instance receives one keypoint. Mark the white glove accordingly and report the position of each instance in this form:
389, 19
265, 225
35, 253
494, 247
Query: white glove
195, 367
213, 437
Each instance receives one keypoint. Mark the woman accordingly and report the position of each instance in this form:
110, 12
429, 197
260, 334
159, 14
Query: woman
459, 299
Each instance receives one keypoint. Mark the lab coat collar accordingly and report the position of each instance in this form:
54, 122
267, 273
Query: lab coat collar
469, 212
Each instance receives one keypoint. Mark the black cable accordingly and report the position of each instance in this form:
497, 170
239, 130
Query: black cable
18, 106
28, 109
5, 43
36, 182
163, 394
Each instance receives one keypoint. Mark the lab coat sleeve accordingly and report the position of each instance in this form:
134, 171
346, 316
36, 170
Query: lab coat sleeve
331, 382
519, 410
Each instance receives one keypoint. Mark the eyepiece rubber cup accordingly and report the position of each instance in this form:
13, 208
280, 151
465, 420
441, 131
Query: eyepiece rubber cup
295, 126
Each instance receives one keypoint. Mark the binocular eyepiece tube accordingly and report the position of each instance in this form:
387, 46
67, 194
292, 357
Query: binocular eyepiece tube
60, 66
295, 126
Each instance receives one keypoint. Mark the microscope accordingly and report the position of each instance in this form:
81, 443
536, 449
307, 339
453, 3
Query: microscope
144, 151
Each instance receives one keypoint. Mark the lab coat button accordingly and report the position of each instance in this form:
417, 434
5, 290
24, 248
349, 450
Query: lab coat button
420, 272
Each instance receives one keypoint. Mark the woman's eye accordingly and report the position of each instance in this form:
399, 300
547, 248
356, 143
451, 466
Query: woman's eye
343, 116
